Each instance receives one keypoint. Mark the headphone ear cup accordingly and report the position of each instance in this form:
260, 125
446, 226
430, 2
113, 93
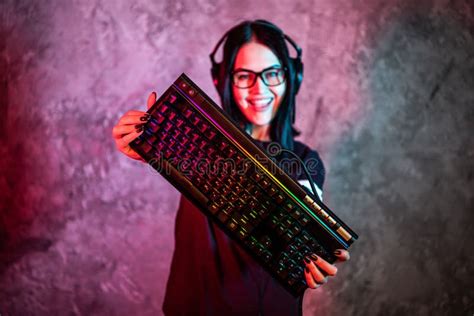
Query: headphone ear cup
214, 73
218, 78
298, 68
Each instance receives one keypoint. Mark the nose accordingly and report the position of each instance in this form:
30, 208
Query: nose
259, 86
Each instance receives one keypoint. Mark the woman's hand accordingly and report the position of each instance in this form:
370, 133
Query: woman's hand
129, 127
316, 267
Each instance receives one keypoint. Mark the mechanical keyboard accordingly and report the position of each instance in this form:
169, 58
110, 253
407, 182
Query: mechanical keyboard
197, 147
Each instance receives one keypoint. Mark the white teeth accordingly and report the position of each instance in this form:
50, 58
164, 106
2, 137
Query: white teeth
260, 102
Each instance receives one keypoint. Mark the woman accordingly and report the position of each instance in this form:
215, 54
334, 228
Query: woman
210, 274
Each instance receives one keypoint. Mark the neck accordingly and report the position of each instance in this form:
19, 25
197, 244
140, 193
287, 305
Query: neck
261, 133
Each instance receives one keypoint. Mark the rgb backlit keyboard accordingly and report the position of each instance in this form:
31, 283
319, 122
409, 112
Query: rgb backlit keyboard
217, 166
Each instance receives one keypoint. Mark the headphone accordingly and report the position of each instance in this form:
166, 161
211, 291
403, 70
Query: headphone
217, 71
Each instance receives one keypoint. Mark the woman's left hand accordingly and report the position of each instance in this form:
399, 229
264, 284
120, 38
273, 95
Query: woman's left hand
317, 267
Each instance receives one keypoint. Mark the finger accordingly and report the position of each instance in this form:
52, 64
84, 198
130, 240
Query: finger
135, 112
134, 119
151, 100
119, 130
132, 153
317, 275
324, 265
342, 255
309, 279
124, 141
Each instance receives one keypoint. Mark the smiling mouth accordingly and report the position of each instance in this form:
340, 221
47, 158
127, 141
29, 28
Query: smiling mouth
260, 105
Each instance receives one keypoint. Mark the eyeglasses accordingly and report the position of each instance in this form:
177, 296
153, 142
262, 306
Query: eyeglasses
272, 76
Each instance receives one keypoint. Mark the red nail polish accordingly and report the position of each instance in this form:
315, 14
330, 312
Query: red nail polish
337, 252
314, 257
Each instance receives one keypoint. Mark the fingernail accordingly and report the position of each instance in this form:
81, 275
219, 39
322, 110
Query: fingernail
306, 269
145, 118
337, 252
139, 127
307, 260
154, 94
314, 257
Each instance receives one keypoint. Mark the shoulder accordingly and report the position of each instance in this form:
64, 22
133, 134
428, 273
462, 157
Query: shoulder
312, 161
304, 151
310, 157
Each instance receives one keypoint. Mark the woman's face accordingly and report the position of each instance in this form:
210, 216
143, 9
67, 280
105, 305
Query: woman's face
259, 103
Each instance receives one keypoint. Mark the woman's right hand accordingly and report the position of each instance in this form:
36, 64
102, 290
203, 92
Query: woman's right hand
129, 127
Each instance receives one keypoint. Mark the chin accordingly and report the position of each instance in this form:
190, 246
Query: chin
260, 122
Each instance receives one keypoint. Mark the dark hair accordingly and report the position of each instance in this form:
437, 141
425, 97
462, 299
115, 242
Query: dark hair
268, 34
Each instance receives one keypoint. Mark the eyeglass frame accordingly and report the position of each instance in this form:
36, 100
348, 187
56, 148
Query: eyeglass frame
257, 75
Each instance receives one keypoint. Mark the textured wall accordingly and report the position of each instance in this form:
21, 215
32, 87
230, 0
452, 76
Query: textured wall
387, 99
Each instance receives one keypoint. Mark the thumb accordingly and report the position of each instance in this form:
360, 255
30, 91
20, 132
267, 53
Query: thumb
342, 255
151, 100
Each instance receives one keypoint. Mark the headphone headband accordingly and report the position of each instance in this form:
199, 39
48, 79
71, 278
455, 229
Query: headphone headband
298, 49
